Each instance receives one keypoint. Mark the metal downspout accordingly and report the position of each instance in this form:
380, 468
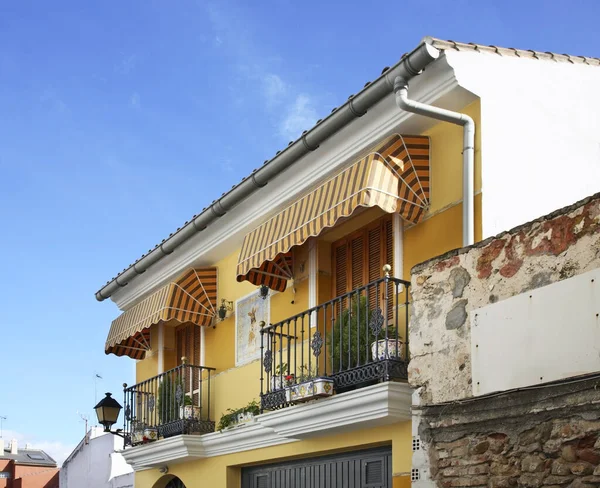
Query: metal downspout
401, 91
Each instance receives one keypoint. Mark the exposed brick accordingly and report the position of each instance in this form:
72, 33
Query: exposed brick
487, 257
451, 445
478, 469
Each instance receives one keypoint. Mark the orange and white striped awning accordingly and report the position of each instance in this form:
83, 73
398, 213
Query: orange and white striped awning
191, 298
394, 177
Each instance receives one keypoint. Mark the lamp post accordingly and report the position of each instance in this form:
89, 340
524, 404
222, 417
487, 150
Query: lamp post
108, 410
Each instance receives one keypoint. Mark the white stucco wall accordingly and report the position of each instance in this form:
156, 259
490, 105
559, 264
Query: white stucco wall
96, 464
540, 134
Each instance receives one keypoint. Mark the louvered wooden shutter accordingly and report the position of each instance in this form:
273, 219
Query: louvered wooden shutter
374, 253
188, 344
388, 230
359, 258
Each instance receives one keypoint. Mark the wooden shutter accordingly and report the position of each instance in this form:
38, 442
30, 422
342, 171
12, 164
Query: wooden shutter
358, 259
188, 343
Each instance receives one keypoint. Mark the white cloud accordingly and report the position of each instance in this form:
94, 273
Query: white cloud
55, 449
134, 100
274, 88
300, 115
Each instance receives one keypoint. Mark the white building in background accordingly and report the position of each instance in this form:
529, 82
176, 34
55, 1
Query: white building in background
95, 463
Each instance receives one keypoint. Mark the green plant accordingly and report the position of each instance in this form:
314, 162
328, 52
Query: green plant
280, 369
350, 338
168, 407
230, 417
306, 374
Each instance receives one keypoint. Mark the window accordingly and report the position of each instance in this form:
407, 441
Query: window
4, 474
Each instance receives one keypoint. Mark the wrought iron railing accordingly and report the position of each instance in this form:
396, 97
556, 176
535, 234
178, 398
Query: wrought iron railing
356, 340
172, 403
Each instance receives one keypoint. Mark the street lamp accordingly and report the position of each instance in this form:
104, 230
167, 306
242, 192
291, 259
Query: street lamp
108, 410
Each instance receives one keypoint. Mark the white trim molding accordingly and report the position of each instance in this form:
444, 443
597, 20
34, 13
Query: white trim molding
381, 404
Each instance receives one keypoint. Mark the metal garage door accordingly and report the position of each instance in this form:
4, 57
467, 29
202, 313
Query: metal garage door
361, 469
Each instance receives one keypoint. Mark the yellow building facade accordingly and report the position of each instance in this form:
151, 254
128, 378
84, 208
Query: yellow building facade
284, 361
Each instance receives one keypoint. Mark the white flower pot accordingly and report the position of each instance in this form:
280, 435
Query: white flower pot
245, 417
277, 383
395, 349
151, 433
189, 412
137, 437
308, 390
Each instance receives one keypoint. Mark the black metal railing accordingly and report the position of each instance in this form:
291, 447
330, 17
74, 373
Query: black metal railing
356, 340
174, 402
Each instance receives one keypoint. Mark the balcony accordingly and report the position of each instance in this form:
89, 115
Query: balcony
172, 403
353, 341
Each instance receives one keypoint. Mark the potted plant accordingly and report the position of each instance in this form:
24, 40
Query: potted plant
390, 348
277, 380
232, 418
137, 432
346, 340
188, 410
308, 386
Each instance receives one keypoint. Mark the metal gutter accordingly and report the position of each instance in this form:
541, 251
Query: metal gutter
409, 66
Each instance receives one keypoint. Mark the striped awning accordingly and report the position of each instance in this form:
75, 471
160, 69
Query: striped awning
191, 298
394, 177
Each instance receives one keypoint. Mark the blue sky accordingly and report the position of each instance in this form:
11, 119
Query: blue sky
119, 120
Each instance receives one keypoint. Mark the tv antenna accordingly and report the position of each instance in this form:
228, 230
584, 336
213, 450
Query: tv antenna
85, 419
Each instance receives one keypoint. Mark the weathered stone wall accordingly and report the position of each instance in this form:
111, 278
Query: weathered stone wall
543, 437
445, 290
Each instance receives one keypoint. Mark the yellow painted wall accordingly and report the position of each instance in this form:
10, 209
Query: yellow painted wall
233, 387
225, 470
446, 160
147, 367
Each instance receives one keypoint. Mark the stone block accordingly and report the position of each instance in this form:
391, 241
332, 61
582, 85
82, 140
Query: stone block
591, 479
465, 481
480, 447
589, 455
569, 453
557, 480
502, 482
597, 471
582, 468
532, 464
561, 467
531, 480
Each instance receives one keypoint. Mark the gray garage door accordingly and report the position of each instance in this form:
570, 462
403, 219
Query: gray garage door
359, 469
